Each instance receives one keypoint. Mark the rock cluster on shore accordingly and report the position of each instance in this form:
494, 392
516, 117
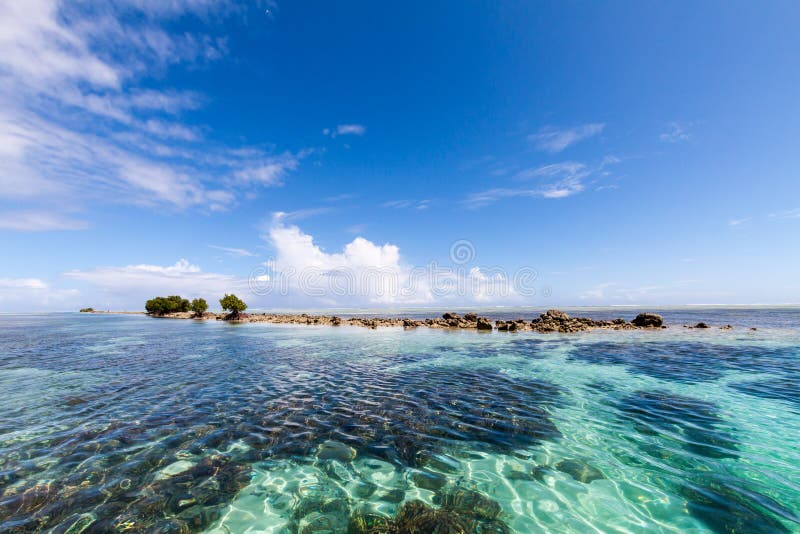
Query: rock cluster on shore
550, 321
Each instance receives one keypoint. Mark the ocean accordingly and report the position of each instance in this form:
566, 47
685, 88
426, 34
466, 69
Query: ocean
132, 424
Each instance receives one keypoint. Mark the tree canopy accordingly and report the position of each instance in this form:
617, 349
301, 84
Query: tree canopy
164, 305
199, 306
233, 304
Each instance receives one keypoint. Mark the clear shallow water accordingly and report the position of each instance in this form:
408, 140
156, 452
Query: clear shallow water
127, 423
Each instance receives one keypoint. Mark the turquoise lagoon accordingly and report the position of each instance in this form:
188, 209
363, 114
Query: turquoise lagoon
125, 423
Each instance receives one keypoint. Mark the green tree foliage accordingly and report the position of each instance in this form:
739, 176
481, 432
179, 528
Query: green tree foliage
164, 305
233, 304
87, 310
199, 306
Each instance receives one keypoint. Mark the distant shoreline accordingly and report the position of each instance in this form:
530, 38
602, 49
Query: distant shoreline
552, 321
99, 312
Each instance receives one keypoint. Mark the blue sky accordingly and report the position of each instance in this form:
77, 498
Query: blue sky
576, 154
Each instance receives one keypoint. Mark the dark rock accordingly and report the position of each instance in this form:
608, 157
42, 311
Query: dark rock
439, 462
418, 517
701, 325
557, 315
579, 470
394, 496
484, 324
471, 317
469, 502
365, 522
336, 450
647, 320
428, 480
450, 315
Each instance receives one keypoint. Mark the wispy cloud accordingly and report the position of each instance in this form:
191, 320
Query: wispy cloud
38, 221
235, 252
739, 222
270, 171
298, 215
405, 203
552, 139
786, 214
677, 133
77, 126
558, 180
345, 129
340, 197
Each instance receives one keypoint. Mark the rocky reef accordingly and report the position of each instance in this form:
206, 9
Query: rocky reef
548, 322
461, 511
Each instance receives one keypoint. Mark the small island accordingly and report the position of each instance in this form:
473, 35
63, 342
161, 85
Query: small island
551, 321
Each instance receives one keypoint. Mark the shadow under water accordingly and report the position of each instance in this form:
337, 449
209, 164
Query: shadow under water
682, 431
177, 464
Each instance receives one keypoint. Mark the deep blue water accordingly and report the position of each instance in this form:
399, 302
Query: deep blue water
126, 423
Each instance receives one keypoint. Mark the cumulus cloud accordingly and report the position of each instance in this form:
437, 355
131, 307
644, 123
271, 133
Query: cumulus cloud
364, 273
551, 139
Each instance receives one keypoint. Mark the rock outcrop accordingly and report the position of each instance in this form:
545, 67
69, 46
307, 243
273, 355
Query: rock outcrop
548, 322
558, 321
648, 320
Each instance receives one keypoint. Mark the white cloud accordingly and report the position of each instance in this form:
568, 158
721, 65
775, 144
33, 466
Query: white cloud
345, 129
232, 251
22, 283
38, 221
404, 203
269, 172
33, 294
132, 285
551, 139
558, 180
38, 49
677, 133
739, 222
364, 273
296, 215
76, 127
787, 214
